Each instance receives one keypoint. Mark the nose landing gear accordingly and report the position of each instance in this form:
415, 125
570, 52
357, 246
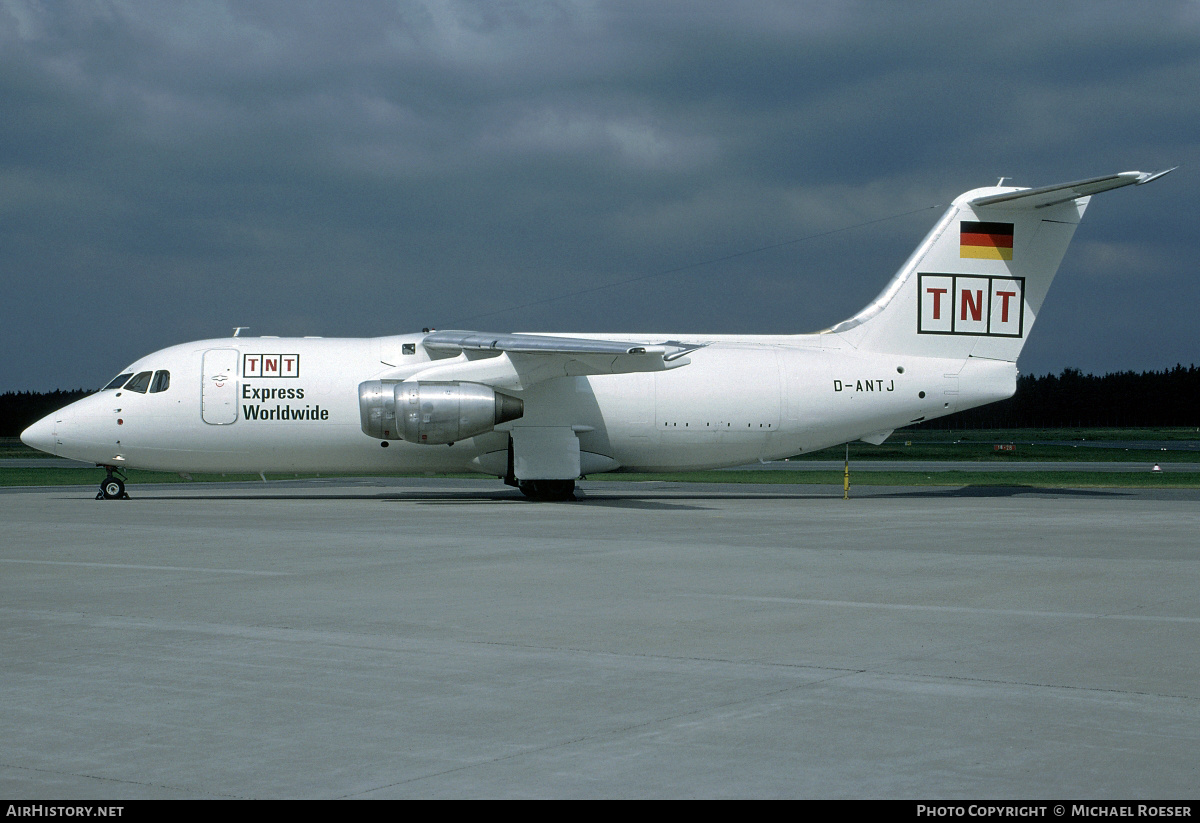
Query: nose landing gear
113, 485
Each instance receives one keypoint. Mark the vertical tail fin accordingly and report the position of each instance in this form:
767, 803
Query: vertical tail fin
976, 283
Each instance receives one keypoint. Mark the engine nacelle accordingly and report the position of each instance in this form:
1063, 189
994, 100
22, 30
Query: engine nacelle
433, 413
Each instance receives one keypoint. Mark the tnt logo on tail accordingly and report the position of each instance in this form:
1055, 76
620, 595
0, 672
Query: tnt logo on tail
971, 304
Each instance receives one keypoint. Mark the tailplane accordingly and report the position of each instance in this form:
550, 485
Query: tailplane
974, 286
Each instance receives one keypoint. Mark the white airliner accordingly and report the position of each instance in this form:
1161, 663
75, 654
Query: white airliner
541, 411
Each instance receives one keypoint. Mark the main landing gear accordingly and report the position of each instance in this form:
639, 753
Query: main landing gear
537, 489
547, 489
113, 486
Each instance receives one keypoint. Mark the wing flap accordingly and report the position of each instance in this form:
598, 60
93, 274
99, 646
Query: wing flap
518, 361
539, 344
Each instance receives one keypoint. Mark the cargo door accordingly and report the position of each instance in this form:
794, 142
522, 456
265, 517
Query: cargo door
218, 392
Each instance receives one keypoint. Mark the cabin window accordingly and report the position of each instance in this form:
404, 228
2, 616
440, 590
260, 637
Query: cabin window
161, 381
118, 381
140, 382
408, 348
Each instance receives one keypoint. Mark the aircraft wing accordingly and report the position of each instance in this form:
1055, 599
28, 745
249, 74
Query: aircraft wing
1062, 192
519, 361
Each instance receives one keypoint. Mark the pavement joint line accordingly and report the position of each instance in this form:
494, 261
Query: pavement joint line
142, 567
838, 672
964, 609
119, 780
587, 738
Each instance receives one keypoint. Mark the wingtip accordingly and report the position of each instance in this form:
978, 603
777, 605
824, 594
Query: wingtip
1146, 177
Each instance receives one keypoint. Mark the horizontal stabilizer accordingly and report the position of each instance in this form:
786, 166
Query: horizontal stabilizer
1053, 195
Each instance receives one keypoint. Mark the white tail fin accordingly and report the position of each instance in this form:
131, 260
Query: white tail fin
976, 283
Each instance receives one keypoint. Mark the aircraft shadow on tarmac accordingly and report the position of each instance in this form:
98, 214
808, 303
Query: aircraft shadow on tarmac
1004, 491
680, 497
450, 498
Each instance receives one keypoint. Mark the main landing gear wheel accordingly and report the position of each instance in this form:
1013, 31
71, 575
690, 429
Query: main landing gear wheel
112, 487
547, 489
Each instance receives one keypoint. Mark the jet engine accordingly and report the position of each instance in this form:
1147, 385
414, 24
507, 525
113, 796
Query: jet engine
433, 413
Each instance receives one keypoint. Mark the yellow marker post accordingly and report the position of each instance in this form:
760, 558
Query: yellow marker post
846, 496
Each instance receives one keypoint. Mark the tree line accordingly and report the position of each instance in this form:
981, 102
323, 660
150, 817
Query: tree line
1070, 399
19, 409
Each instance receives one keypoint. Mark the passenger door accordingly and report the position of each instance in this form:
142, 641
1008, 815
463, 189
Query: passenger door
218, 392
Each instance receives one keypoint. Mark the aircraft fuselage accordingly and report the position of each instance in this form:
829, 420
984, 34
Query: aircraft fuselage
292, 404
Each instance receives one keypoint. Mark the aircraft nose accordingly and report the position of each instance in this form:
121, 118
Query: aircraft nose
41, 435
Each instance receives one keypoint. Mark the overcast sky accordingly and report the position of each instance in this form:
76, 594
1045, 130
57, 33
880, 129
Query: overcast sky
171, 170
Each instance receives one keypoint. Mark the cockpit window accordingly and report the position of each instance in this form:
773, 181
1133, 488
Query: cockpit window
118, 381
139, 383
161, 381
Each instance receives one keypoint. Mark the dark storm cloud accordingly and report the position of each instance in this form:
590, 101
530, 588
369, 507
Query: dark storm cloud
168, 172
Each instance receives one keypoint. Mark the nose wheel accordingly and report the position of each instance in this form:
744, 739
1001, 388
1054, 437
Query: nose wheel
113, 486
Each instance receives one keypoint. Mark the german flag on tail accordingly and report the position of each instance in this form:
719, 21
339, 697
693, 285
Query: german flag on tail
986, 241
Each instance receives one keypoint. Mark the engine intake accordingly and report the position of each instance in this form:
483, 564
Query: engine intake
433, 413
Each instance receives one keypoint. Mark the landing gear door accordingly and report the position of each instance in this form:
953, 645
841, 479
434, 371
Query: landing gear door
218, 392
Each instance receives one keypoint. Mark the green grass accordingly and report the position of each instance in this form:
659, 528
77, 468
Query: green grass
1029, 445
973, 445
91, 477
12, 447
985, 453
1042, 480
53, 476
1032, 435
1034, 479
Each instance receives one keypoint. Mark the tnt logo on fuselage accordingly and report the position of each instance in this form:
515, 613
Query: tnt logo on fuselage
270, 365
970, 304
